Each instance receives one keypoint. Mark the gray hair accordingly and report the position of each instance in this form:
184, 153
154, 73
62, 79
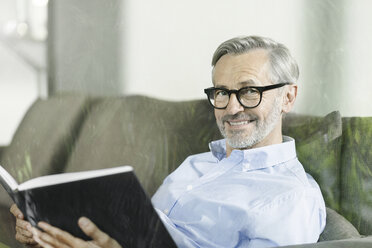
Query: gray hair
284, 67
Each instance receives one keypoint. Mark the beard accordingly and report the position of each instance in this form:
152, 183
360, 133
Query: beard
262, 128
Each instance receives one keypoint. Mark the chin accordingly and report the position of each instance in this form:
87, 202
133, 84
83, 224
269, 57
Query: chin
241, 143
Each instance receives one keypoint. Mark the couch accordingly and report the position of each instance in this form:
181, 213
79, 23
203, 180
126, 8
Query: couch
72, 132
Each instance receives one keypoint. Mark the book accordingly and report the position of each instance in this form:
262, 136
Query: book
112, 198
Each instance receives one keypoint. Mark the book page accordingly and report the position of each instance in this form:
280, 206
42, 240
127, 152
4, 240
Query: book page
70, 177
8, 182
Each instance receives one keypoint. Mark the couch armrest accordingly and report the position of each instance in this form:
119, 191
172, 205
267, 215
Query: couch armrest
338, 228
354, 242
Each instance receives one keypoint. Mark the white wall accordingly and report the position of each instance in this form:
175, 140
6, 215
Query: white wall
18, 82
168, 45
357, 93
18, 90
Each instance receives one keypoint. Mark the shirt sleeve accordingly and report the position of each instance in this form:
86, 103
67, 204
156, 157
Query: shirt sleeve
297, 217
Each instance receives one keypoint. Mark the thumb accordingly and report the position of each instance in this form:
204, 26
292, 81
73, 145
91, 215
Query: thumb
99, 237
16, 212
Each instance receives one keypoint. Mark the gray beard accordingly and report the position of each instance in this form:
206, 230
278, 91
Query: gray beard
236, 138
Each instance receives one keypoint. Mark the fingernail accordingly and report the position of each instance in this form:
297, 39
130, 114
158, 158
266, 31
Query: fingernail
83, 221
29, 228
43, 225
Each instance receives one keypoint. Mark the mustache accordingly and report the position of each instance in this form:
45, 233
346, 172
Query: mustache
238, 116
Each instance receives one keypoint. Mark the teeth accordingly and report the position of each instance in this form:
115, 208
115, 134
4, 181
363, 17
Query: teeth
238, 123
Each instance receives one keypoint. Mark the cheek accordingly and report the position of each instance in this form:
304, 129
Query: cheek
264, 108
266, 102
218, 114
256, 112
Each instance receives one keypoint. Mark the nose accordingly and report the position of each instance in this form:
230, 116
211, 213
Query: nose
234, 105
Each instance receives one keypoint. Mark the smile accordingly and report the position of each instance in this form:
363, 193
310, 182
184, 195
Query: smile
239, 123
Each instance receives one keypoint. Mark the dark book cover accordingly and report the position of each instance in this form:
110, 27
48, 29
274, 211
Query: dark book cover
116, 203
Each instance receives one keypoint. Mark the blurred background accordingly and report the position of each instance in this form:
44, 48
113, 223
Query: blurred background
163, 49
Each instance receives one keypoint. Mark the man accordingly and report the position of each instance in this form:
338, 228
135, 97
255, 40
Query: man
249, 190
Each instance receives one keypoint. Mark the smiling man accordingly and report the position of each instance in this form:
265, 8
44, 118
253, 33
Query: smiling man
249, 190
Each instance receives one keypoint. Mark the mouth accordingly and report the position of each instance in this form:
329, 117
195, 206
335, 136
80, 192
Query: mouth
239, 123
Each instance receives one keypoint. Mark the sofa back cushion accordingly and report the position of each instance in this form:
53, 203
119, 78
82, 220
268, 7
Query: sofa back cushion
356, 172
44, 138
153, 136
318, 145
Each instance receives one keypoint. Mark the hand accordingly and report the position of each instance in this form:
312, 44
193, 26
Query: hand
53, 237
23, 228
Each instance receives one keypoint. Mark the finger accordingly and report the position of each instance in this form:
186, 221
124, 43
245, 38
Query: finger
23, 228
24, 239
56, 236
22, 224
92, 244
23, 232
100, 238
46, 240
90, 229
16, 212
36, 234
36, 245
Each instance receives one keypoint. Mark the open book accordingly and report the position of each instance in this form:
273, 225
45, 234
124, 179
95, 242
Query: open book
112, 198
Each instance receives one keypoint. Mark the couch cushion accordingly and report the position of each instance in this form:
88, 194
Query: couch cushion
153, 136
337, 228
44, 138
356, 173
318, 144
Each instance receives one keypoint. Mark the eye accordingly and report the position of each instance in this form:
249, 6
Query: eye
220, 93
249, 93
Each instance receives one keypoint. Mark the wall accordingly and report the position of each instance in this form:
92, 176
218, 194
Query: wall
336, 39
357, 93
84, 46
168, 44
18, 81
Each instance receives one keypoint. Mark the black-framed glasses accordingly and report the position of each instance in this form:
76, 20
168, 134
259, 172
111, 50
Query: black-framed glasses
248, 97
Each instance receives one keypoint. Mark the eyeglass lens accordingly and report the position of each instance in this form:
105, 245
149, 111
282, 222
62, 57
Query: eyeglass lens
249, 97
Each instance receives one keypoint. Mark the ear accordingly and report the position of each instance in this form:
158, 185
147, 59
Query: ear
289, 98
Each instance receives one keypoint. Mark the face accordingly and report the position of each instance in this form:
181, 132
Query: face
248, 128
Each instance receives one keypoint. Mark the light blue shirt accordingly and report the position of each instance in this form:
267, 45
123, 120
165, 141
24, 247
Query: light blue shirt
254, 198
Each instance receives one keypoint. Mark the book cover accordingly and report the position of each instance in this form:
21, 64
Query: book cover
112, 198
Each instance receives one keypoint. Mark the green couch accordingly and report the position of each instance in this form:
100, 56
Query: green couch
70, 132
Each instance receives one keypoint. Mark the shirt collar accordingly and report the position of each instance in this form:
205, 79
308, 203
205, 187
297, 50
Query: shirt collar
258, 158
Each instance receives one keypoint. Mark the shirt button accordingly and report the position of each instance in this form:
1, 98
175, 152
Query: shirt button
189, 187
166, 211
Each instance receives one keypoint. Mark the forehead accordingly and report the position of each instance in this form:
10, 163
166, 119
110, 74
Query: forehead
232, 70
